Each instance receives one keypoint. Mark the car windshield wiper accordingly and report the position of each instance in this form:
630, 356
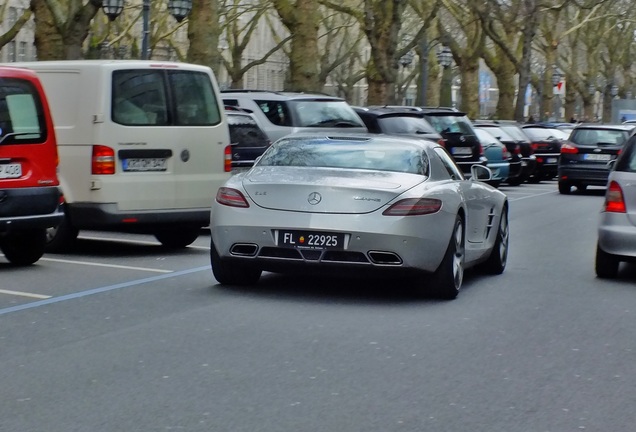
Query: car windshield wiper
16, 134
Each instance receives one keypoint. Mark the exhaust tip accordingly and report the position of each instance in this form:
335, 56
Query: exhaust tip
244, 249
384, 258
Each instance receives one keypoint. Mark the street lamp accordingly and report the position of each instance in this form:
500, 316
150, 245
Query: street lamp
556, 79
445, 59
177, 8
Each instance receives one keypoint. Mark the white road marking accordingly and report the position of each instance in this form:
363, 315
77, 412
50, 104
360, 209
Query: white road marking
106, 265
145, 242
24, 294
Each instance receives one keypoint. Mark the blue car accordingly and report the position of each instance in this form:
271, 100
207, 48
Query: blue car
497, 155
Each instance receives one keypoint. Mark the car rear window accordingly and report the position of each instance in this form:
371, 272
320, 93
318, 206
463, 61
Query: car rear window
515, 132
627, 162
245, 132
334, 153
405, 125
540, 134
22, 118
498, 133
593, 137
141, 98
450, 124
310, 113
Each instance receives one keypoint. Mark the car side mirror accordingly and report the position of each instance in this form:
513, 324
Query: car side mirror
480, 173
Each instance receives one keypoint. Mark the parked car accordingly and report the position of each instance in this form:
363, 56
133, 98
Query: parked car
459, 136
361, 203
398, 121
528, 159
247, 139
30, 199
617, 224
143, 146
584, 157
546, 146
283, 113
516, 174
498, 157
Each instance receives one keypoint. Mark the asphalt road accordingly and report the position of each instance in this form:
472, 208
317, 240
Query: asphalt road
122, 336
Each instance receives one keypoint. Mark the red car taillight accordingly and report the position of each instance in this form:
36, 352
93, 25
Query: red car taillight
231, 197
442, 142
614, 201
227, 159
103, 160
414, 207
568, 148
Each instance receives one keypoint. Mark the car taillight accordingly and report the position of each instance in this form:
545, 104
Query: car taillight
614, 201
481, 150
231, 197
227, 159
569, 148
103, 160
517, 149
414, 207
442, 142
507, 155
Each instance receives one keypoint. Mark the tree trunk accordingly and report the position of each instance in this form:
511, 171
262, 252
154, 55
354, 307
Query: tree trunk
48, 41
203, 34
469, 91
529, 31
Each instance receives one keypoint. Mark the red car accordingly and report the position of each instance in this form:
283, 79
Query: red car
30, 198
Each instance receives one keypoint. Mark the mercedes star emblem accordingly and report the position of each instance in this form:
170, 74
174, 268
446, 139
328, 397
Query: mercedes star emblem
314, 198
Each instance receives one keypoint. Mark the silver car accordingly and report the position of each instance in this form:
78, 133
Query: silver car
359, 202
617, 226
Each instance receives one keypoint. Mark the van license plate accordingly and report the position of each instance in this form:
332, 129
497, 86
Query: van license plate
145, 164
10, 170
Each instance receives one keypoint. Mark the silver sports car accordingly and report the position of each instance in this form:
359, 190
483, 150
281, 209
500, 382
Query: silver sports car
363, 203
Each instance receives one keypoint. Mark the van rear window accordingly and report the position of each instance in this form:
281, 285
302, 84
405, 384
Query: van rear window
21, 116
144, 97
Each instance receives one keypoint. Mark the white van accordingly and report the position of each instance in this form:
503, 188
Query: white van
143, 146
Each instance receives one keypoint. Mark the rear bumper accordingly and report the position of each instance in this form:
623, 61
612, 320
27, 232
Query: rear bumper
589, 176
617, 235
26, 208
107, 216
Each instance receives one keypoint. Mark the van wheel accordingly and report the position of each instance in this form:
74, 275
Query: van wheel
177, 239
24, 247
62, 238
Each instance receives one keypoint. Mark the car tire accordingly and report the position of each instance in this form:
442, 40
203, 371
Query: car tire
25, 247
178, 238
449, 275
496, 262
565, 188
606, 264
232, 273
61, 238
534, 179
514, 181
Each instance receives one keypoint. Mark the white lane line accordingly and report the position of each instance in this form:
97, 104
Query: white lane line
24, 294
106, 265
532, 196
144, 242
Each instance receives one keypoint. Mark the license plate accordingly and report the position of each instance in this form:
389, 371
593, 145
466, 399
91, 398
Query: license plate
596, 157
310, 239
551, 160
10, 170
145, 164
462, 150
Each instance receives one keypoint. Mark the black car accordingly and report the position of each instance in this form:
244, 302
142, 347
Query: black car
247, 139
397, 121
528, 159
546, 146
516, 176
585, 156
459, 136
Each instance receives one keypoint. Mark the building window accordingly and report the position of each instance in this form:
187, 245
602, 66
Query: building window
13, 16
12, 52
22, 52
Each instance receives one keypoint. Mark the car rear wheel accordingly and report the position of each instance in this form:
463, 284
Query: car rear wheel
449, 275
565, 187
606, 264
23, 247
230, 272
178, 238
62, 238
498, 258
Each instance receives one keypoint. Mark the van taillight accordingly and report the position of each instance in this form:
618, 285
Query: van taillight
103, 161
227, 166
